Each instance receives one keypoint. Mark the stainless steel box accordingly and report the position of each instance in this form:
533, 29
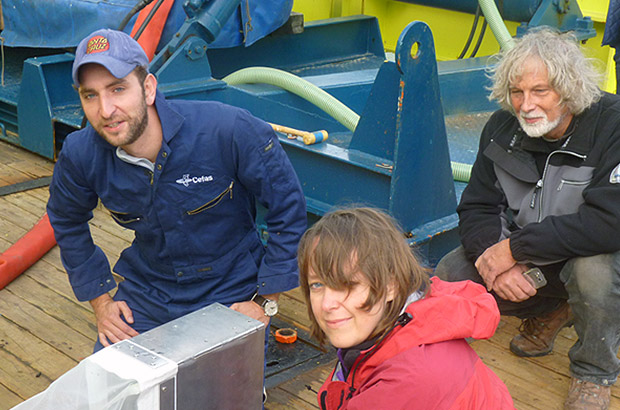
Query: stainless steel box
210, 359
220, 357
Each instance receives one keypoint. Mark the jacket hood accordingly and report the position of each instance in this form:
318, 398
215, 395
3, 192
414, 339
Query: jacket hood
451, 310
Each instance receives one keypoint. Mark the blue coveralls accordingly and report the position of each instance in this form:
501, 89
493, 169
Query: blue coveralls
196, 241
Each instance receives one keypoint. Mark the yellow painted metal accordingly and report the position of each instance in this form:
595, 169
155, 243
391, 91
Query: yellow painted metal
450, 28
597, 9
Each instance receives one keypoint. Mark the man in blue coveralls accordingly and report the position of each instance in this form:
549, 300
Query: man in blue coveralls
184, 175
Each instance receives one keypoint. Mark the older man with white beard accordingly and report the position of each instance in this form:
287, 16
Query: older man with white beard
545, 193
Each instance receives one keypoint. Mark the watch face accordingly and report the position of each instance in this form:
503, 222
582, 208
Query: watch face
271, 307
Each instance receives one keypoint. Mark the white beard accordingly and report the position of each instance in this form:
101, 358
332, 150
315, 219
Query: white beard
542, 127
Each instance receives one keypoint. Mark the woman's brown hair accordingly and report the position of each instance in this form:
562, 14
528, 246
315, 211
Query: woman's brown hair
373, 243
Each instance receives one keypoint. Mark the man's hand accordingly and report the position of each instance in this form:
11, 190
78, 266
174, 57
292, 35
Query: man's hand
253, 309
512, 285
111, 327
494, 261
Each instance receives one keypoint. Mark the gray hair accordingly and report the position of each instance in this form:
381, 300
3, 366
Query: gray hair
571, 74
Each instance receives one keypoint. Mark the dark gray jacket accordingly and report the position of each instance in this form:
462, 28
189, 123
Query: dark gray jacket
554, 200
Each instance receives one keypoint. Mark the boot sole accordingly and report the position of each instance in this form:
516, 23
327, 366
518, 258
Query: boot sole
521, 353
514, 349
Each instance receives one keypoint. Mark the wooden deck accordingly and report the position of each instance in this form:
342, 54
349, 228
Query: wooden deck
45, 331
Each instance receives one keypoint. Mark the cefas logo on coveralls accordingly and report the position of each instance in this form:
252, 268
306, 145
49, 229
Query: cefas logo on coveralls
186, 180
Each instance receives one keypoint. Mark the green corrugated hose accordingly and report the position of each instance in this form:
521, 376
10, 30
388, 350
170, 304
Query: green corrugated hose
298, 86
496, 23
318, 97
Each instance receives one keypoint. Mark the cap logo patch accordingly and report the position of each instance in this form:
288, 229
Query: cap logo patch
97, 44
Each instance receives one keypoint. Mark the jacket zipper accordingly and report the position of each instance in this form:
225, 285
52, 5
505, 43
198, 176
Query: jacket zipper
568, 182
214, 201
402, 320
540, 183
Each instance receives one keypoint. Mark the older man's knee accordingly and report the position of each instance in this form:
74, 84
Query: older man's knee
591, 278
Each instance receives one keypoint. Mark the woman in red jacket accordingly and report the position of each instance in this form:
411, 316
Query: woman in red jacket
400, 336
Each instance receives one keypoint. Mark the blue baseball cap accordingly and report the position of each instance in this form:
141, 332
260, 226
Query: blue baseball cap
115, 50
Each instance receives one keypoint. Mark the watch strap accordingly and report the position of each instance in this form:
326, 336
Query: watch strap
259, 300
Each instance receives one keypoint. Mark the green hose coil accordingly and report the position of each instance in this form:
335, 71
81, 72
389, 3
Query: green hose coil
298, 86
460, 171
318, 97
496, 23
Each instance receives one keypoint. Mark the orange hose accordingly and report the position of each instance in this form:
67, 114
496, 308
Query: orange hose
26, 251
149, 39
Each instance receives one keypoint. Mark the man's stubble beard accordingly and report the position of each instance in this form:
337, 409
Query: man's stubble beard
136, 128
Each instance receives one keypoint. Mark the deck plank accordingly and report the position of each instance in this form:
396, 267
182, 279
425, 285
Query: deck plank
25, 161
523, 377
307, 385
553, 368
21, 379
34, 169
278, 399
8, 399
54, 305
300, 391
16, 215
27, 202
55, 279
294, 312
9, 175
33, 352
47, 328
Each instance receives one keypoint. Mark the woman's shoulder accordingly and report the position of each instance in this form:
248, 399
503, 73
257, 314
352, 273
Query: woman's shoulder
451, 359
437, 374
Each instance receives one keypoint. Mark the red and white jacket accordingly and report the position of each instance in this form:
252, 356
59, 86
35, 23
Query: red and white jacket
427, 363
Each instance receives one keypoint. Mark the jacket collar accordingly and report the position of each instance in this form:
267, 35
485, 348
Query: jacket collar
171, 120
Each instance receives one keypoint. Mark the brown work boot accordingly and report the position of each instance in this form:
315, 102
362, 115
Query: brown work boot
538, 333
583, 395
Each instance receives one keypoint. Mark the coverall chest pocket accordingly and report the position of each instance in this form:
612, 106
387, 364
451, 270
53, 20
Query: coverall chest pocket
211, 199
127, 218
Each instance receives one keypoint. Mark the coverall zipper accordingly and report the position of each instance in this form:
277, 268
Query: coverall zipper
214, 201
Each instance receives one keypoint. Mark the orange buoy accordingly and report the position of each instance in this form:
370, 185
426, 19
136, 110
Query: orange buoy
26, 251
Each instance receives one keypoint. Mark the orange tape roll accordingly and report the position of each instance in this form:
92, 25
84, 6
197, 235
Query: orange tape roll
286, 335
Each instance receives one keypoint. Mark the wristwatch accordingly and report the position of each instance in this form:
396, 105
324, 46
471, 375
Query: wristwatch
269, 306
